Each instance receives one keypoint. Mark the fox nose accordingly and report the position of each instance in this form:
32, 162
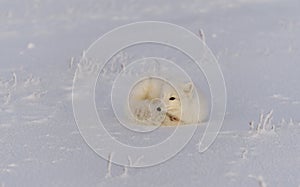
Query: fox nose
158, 111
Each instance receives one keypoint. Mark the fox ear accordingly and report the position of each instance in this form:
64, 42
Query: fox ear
188, 88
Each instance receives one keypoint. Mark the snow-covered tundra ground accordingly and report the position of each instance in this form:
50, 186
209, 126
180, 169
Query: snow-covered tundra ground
257, 45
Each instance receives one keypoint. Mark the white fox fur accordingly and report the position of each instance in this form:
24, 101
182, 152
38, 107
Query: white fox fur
153, 101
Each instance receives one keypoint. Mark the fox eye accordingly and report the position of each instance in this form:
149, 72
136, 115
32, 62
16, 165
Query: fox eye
172, 98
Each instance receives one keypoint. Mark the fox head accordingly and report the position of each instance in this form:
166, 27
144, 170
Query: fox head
178, 103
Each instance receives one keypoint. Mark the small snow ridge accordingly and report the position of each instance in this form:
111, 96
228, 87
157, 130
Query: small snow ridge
284, 99
5, 125
214, 35
35, 95
30, 46
231, 174
9, 168
12, 165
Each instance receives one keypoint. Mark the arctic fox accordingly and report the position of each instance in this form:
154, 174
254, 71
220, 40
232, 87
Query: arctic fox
153, 101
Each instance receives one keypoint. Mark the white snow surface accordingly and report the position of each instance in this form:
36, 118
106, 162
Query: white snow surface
257, 45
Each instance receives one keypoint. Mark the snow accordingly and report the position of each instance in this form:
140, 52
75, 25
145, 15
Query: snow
30, 46
257, 46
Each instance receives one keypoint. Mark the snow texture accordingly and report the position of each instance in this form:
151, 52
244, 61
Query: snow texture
256, 42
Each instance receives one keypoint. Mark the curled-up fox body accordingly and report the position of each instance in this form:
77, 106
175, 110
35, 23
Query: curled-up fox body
154, 101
